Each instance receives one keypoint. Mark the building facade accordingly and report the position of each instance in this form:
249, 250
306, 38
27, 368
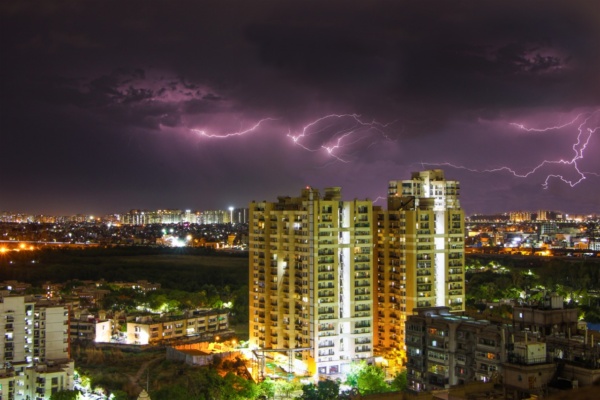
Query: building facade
311, 278
420, 252
33, 331
445, 350
151, 330
34, 337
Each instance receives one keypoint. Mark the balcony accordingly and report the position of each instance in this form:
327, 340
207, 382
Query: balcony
327, 310
325, 277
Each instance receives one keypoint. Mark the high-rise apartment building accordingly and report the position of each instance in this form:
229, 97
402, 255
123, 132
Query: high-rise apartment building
33, 331
35, 338
310, 278
420, 252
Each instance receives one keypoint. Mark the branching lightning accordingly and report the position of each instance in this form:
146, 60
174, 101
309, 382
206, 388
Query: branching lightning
338, 138
325, 131
583, 139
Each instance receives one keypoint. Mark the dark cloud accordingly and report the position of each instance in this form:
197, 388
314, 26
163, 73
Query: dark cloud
131, 100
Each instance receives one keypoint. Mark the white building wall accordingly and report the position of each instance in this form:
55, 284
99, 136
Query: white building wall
56, 329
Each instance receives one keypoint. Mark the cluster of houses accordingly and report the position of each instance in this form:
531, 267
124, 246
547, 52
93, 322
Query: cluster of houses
542, 350
37, 331
119, 327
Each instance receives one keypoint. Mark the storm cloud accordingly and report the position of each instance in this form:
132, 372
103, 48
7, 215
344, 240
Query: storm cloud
108, 106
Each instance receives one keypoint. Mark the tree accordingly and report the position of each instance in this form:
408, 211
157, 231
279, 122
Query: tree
66, 395
171, 392
286, 388
400, 381
323, 390
267, 388
368, 379
310, 392
119, 395
236, 387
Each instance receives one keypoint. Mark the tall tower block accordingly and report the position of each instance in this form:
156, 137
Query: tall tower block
311, 284
420, 252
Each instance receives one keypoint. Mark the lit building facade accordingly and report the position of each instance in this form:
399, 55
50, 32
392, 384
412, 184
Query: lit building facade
35, 357
311, 278
420, 252
520, 216
151, 330
33, 331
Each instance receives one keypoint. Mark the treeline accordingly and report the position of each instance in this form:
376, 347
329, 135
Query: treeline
526, 279
183, 269
175, 302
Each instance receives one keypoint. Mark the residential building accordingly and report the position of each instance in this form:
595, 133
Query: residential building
85, 326
420, 252
311, 279
21, 382
445, 349
35, 356
33, 331
528, 371
214, 217
548, 318
520, 216
240, 216
537, 353
152, 330
141, 285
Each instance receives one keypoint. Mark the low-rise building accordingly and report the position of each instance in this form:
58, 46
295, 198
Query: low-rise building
528, 372
88, 327
536, 354
141, 285
152, 330
547, 318
445, 349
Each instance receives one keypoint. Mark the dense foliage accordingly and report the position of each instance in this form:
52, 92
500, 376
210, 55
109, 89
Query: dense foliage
367, 379
528, 279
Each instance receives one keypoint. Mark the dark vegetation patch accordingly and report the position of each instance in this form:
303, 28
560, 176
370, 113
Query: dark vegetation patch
183, 269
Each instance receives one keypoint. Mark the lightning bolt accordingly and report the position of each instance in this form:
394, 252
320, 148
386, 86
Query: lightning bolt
583, 139
549, 128
331, 149
228, 135
332, 139
323, 124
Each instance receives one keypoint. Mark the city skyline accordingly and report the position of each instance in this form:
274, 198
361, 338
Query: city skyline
108, 107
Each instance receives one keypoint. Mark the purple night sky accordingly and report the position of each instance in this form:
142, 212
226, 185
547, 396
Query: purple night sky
112, 105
